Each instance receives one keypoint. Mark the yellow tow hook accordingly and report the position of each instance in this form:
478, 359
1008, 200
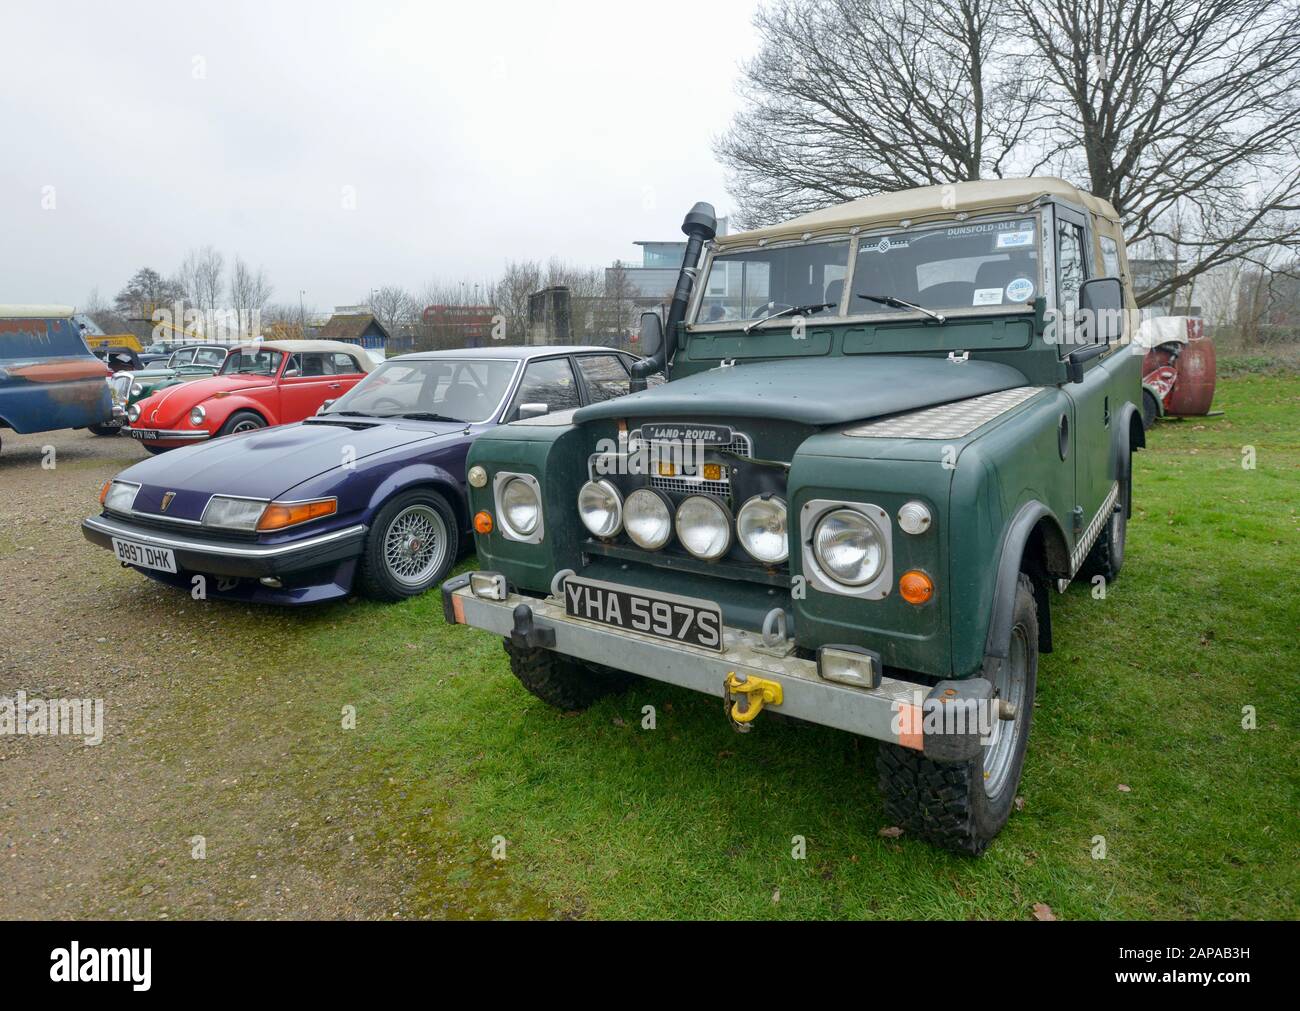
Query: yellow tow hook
743, 700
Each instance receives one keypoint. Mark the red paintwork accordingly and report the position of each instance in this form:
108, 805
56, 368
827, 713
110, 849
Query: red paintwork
278, 400
1183, 374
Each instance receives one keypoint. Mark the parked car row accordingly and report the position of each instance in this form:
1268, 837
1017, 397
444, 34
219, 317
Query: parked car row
307, 477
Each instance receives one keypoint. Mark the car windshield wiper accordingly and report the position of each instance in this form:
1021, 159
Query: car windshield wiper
425, 416
797, 310
902, 303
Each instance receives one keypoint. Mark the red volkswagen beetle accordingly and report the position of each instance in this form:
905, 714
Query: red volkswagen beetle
261, 384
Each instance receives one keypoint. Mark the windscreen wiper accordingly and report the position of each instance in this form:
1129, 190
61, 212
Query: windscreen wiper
426, 416
797, 310
902, 303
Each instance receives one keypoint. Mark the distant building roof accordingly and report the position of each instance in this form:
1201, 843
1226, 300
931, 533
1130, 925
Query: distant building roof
351, 327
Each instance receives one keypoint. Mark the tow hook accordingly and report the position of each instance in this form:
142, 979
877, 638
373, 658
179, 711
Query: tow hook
743, 700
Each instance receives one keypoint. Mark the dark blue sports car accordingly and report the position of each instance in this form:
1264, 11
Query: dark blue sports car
368, 494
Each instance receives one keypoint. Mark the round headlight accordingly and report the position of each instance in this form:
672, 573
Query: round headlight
477, 477
520, 508
704, 527
914, 518
761, 530
849, 547
197, 414
136, 390
601, 508
648, 519
133, 413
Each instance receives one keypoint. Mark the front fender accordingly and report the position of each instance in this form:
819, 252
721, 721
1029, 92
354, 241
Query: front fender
423, 474
219, 410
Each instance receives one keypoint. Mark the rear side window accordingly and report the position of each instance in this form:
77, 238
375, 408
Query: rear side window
1109, 257
340, 364
605, 375
25, 339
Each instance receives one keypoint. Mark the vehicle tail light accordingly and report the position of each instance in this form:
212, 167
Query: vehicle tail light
286, 514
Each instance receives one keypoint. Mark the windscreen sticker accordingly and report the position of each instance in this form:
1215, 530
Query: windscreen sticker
988, 296
992, 226
1020, 290
886, 244
1015, 240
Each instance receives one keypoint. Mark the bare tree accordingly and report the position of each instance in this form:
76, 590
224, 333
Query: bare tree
519, 280
852, 97
1184, 114
201, 275
250, 290
145, 292
392, 306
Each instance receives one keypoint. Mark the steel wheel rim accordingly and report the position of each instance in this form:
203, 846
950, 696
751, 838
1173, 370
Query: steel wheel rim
415, 545
245, 426
1010, 687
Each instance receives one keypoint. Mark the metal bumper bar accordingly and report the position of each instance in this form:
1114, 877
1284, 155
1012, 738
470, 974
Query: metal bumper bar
892, 712
167, 434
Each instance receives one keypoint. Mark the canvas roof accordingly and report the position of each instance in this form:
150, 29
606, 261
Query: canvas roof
919, 205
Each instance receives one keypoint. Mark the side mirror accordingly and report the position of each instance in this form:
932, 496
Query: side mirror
325, 404
1101, 304
290, 374
533, 410
652, 335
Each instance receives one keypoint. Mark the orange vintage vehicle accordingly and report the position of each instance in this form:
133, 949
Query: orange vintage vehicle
261, 384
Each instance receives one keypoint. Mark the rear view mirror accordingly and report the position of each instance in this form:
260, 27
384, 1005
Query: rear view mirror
1101, 305
533, 410
652, 335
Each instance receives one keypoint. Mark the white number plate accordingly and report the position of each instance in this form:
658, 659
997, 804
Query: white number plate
161, 559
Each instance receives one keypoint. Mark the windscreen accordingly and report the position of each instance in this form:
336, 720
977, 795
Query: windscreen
751, 285
252, 362
462, 390
967, 265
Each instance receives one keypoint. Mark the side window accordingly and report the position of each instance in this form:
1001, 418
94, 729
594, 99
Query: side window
294, 367
1071, 270
313, 365
606, 376
551, 383
1109, 257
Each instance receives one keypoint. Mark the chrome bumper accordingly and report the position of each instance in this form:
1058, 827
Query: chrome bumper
892, 712
167, 434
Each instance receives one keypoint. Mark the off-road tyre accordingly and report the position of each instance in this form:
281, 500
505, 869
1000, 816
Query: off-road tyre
561, 681
948, 804
379, 574
1107, 555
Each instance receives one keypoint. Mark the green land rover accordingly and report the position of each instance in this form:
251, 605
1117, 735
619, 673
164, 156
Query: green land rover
890, 429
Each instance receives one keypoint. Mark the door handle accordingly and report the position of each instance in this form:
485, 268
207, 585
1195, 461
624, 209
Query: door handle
335, 386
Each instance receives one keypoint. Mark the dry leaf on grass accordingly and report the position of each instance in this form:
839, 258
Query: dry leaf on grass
892, 832
1042, 911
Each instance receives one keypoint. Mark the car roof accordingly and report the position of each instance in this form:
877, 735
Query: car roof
294, 347
916, 206
36, 311
513, 352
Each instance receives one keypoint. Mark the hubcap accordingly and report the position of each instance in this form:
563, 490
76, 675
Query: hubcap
1010, 687
245, 426
415, 545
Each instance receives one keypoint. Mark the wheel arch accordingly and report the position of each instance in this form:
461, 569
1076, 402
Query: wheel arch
1032, 543
423, 476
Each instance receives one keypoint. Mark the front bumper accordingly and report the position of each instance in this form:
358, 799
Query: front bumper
893, 712
164, 436
234, 558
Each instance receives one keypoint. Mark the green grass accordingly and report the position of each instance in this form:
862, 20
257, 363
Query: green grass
606, 820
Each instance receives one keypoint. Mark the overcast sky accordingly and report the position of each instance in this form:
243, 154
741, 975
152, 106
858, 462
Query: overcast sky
469, 133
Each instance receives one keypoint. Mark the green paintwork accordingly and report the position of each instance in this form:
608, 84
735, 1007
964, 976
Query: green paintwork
795, 392
816, 391
153, 380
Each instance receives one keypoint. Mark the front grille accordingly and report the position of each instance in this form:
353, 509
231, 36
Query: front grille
740, 445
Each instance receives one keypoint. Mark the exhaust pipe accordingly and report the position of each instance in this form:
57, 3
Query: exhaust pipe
700, 225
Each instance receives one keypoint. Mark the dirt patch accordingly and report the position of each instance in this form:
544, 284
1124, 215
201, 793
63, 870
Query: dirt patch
223, 786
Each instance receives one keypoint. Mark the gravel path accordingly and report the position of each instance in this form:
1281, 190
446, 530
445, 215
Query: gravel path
204, 735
